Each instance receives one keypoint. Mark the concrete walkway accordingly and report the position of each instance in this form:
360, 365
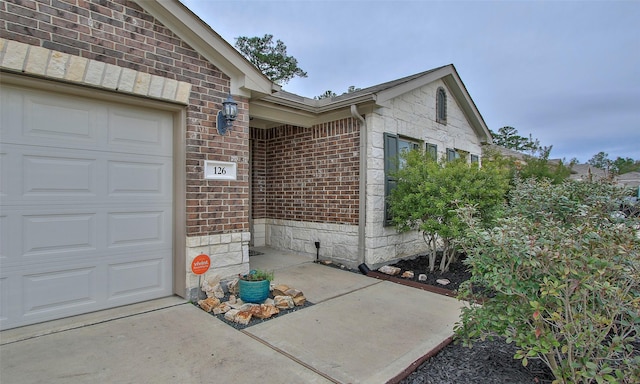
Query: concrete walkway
361, 330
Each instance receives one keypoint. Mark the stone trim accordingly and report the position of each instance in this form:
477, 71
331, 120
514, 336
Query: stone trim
338, 242
229, 255
38, 61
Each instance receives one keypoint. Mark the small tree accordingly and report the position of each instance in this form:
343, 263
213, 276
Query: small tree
508, 137
427, 193
600, 160
270, 58
564, 270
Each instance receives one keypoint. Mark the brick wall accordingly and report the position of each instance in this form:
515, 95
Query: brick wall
307, 174
120, 33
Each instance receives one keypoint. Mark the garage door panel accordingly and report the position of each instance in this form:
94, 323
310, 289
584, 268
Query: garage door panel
4, 173
57, 291
139, 178
137, 277
137, 228
4, 299
139, 131
59, 175
4, 237
68, 119
55, 233
36, 117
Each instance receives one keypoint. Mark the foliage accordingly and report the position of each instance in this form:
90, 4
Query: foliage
258, 275
271, 59
508, 137
326, 95
600, 160
536, 166
427, 192
564, 271
329, 93
621, 165
539, 167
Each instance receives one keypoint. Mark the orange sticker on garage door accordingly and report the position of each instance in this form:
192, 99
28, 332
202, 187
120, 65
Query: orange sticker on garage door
200, 264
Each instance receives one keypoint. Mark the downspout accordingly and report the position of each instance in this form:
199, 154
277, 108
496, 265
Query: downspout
362, 199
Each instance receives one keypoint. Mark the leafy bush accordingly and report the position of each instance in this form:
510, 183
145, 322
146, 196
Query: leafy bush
565, 272
258, 275
427, 193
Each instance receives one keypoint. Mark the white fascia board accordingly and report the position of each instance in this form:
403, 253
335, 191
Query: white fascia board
302, 113
393, 92
310, 105
456, 86
245, 78
281, 114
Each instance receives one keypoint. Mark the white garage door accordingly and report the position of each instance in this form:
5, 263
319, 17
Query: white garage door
86, 205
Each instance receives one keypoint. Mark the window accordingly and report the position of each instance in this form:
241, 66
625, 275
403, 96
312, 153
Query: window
441, 106
475, 159
452, 154
393, 146
432, 150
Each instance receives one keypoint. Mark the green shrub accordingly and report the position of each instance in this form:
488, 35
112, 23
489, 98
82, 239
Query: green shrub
427, 194
564, 270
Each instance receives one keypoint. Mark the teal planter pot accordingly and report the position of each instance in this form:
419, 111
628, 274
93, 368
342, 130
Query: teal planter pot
253, 291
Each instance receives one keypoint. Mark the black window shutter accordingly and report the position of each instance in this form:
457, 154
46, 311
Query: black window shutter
390, 166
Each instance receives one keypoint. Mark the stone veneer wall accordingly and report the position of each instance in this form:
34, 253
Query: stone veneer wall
116, 46
411, 115
338, 242
229, 255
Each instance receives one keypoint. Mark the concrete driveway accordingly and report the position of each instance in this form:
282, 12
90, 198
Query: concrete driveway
360, 330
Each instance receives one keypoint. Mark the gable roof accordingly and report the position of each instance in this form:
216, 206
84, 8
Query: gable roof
246, 79
269, 102
380, 94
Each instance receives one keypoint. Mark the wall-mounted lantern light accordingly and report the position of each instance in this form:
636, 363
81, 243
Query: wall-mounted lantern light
227, 115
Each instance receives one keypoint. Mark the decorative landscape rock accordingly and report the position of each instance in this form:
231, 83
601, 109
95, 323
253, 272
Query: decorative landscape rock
389, 270
443, 281
209, 304
242, 317
407, 274
242, 314
422, 277
231, 314
232, 286
279, 290
284, 302
211, 286
295, 294
237, 304
264, 311
221, 308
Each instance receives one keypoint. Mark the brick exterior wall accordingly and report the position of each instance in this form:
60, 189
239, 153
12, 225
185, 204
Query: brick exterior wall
307, 174
120, 33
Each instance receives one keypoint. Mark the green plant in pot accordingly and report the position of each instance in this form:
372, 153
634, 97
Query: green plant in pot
254, 286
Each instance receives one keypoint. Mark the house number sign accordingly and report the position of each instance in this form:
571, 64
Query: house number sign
219, 170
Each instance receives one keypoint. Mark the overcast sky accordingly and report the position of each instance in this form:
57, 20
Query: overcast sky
567, 73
